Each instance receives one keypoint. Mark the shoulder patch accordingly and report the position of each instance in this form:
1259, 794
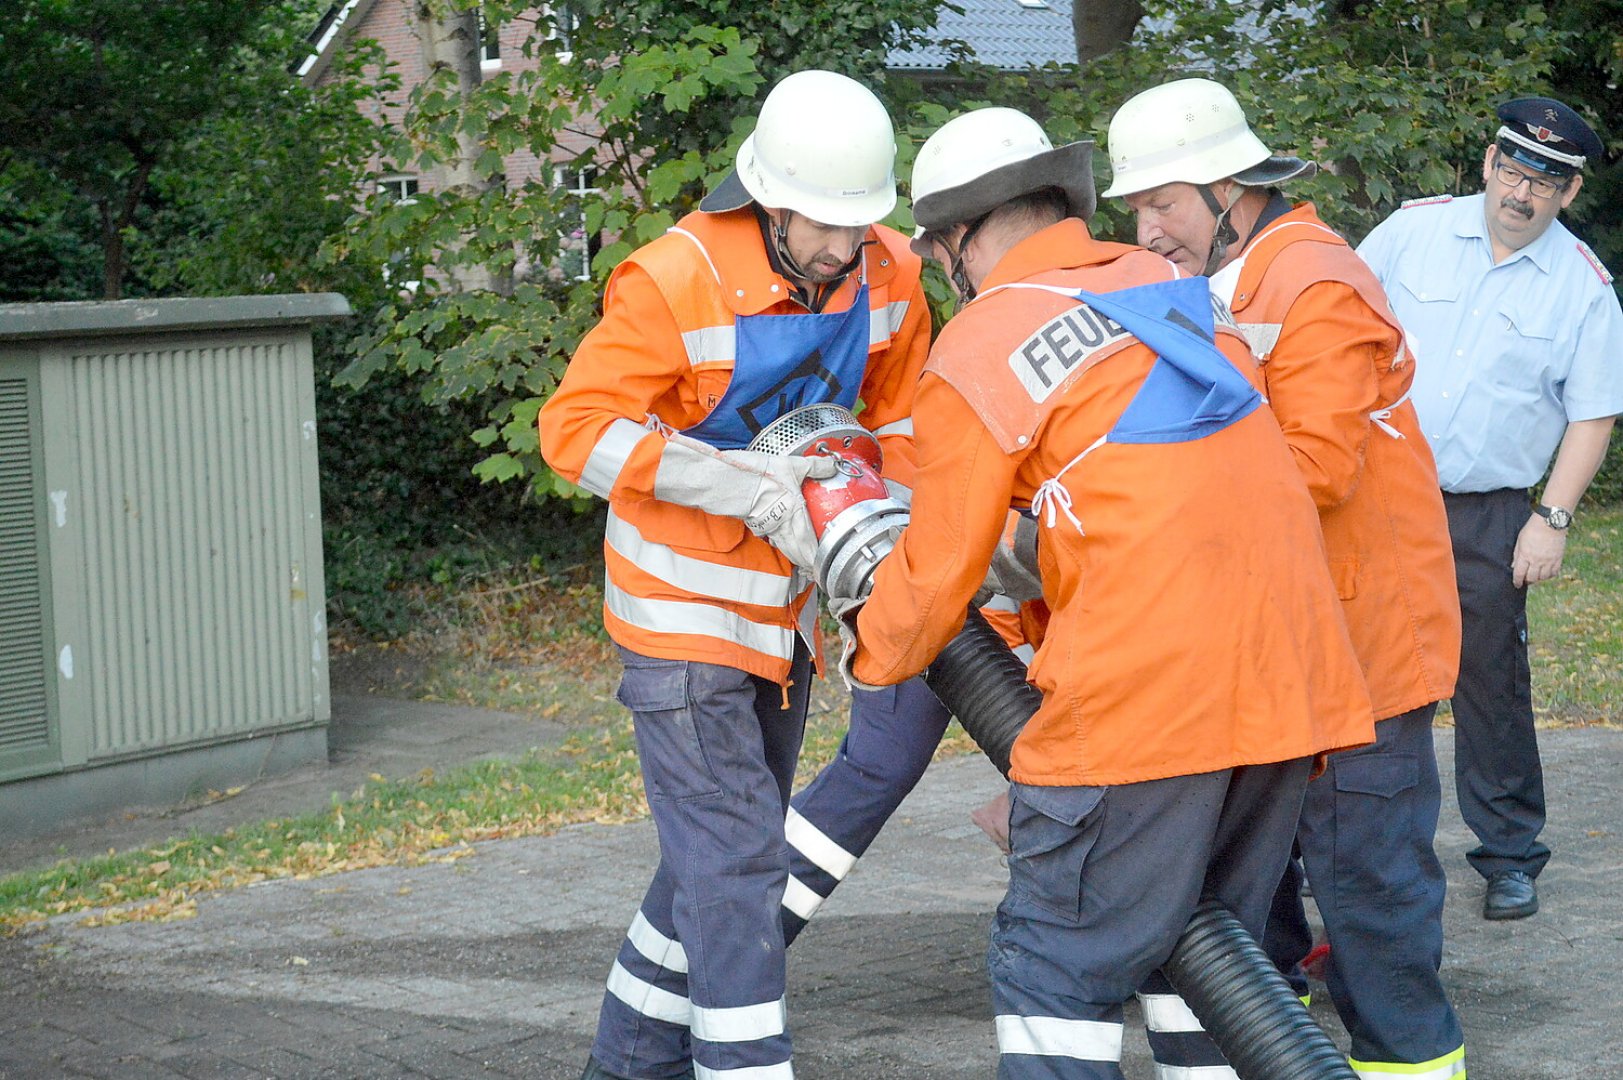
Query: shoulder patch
1430, 200
1594, 260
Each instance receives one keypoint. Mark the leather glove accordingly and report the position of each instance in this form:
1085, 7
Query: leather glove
1013, 571
845, 609
762, 490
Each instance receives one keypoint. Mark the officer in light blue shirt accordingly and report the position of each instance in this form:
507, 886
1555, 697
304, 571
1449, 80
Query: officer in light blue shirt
1518, 340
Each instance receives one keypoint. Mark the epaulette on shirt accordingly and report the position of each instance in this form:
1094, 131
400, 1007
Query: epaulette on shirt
1430, 200
1593, 260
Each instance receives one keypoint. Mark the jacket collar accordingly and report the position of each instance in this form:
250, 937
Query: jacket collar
749, 283
1064, 245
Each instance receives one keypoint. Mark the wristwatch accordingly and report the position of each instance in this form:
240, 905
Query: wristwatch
1554, 516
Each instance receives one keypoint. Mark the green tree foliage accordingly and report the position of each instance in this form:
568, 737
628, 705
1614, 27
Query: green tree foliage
98, 93
1394, 97
661, 94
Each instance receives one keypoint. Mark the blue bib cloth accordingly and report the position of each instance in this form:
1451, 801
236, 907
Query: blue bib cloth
1192, 390
782, 362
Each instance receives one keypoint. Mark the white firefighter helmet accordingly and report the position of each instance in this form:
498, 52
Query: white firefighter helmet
976, 162
823, 146
1191, 131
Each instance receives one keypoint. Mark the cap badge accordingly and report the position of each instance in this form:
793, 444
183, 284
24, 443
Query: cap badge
1544, 134
1549, 114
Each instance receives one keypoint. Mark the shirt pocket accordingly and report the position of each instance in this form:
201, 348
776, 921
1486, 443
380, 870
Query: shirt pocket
1051, 832
1526, 344
1415, 290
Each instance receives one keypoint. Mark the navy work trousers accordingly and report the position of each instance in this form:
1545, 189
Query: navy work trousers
894, 732
1102, 883
1497, 771
1367, 840
699, 980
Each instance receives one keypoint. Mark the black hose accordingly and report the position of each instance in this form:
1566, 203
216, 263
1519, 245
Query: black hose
1218, 968
1248, 1008
983, 684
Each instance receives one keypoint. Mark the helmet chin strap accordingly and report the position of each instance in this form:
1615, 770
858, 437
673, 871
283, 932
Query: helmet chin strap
1223, 233
780, 239
959, 275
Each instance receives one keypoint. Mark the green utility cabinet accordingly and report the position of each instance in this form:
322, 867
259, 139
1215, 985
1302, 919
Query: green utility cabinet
162, 613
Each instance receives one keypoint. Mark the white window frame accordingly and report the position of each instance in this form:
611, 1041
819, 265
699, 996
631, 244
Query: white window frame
490, 45
583, 180
401, 195
564, 55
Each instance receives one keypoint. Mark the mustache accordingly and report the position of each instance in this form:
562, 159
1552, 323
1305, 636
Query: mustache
1510, 202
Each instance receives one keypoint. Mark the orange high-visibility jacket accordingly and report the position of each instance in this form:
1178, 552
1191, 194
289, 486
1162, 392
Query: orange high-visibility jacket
1336, 373
683, 584
1193, 623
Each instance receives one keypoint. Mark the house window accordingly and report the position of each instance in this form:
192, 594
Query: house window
561, 31
490, 44
400, 188
575, 247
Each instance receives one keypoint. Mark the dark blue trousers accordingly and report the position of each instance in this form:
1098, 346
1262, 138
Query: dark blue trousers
893, 735
699, 980
1497, 771
1102, 883
1366, 838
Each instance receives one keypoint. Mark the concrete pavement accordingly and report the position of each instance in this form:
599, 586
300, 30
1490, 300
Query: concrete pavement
493, 964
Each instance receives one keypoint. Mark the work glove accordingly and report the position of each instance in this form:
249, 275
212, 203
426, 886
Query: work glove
762, 490
845, 609
1013, 572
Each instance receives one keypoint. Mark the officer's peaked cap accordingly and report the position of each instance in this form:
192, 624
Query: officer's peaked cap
1544, 134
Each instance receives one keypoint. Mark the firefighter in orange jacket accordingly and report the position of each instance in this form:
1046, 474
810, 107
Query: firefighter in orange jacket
1336, 372
778, 292
1195, 661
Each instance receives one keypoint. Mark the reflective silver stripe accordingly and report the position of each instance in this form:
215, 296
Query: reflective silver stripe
883, 323
1168, 1012
610, 455
695, 575
999, 602
1194, 1072
904, 426
655, 946
800, 899
1026, 653
741, 1023
648, 999
1449, 1065
1050, 1036
711, 344
682, 617
812, 842
1262, 336
781, 1071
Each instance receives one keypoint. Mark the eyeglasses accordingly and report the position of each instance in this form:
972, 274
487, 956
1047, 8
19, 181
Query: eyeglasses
1541, 187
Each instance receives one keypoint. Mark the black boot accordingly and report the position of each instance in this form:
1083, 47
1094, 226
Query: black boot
595, 1071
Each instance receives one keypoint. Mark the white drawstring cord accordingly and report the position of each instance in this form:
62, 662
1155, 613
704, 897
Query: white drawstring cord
1052, 497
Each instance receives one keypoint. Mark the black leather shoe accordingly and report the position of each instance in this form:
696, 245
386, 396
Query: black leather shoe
1511, 895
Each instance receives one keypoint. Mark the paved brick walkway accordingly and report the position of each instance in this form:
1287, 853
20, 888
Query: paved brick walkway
492, 965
